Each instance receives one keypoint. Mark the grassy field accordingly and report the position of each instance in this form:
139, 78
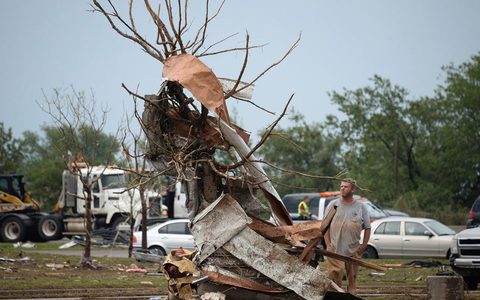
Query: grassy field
45, 271
49, 271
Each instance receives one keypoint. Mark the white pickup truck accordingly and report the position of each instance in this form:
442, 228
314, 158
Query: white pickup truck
465, 256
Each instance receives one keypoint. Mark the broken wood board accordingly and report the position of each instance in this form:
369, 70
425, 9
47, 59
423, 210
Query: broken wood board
296, 232
351, 260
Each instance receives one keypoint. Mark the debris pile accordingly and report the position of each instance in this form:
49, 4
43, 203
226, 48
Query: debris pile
235, 247
192, 138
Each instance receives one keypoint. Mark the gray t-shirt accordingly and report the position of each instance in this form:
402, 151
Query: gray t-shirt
347, 224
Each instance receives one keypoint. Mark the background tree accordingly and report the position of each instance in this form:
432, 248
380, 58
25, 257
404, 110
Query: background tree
80, 131
139, 176
418, 155
11, 154
379, 138
45, 154
302, 148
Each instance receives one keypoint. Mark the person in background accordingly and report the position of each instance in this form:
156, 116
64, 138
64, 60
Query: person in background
304, 209
343, 235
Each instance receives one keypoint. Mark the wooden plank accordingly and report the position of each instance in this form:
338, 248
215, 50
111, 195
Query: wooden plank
351, 260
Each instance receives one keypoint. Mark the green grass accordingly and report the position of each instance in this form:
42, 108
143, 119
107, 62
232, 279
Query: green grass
42, 246
38, 272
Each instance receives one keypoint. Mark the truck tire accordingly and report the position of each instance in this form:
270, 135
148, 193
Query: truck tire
13, 229
50, 227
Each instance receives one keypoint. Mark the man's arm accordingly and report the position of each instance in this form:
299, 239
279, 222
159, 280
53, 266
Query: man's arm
366, 237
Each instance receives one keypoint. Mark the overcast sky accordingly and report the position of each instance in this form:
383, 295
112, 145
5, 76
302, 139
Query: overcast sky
56, 44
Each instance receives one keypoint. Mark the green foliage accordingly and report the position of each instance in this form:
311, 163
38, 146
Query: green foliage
47, 157
11, 156
305, 148
379, 139
421, 156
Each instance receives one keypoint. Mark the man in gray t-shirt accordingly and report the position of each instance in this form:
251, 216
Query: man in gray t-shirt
343, 235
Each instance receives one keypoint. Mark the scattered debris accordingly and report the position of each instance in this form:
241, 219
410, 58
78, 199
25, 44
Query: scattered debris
136, 270
68, 244
55, 266
419, 278
423, 264
103, 237
376, 274
27, 245
213, 296
23, 259
147, 256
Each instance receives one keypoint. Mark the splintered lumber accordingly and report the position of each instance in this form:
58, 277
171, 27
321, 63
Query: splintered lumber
295, 232
351, 260
328, 220
307, 252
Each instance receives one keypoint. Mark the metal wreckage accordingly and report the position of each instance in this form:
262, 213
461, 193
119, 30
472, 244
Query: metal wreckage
235, 247
186, 123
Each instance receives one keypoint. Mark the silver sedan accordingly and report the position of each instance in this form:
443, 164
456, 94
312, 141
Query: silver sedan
409, 237
164, 237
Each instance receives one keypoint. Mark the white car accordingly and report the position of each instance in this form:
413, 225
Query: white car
164, 237
409, 237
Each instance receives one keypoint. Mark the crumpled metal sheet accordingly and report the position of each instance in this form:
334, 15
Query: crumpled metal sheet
180, 272
274, 262
196, 77
216, 225
224, 224
245, 94
199, 79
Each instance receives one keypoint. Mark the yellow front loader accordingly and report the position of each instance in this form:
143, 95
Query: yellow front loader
20, 216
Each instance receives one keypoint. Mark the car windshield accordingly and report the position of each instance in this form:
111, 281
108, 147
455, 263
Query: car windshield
113, 181
375, 212
439, 228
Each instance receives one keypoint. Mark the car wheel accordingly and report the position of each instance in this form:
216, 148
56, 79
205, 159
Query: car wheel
158, 250
370, 252
472, 282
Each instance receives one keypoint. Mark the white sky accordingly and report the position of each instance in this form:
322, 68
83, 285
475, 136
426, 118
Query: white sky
56, 43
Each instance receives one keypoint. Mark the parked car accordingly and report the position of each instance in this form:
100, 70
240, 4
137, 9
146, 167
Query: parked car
164, 237
320, 201
474, 216
465, 258
409, 237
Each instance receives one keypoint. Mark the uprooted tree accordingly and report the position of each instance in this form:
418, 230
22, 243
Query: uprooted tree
185, 124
